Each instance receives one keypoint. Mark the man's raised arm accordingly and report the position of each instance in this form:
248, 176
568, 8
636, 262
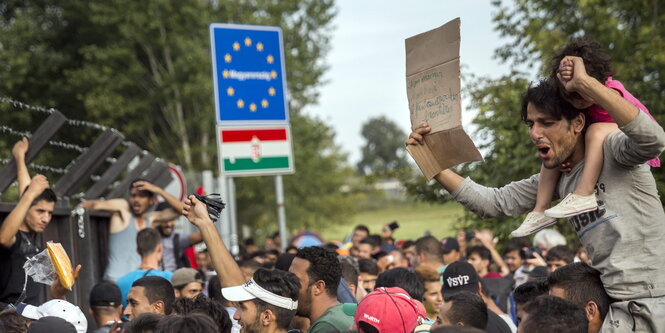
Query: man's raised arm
150, 187
646, 139
22, 175
621, 110
222, 260
513, 199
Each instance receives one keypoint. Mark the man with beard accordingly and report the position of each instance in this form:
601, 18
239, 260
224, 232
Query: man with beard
268, 301
173, 243
127, 219
627, 227
319, 273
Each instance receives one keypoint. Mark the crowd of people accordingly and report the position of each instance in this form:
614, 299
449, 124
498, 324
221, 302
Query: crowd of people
158, 280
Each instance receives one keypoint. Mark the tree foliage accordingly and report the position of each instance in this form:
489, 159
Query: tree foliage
144, 68
383, 151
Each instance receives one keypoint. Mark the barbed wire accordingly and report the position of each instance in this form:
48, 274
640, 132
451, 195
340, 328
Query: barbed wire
9, 130
21, 105
67, 145
73, 122
18, 106
77, 196
39, 167
83, 123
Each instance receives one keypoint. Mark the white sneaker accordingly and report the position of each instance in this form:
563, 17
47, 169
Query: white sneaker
534, 221
572, 205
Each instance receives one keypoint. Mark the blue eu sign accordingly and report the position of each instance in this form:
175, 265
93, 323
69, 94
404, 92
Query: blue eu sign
248, 74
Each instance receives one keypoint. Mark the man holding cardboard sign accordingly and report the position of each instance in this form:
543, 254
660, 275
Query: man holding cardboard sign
624, 236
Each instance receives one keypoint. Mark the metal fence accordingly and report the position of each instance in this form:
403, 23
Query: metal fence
82, 233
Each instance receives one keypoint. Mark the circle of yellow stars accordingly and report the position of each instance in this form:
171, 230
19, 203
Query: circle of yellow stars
225, 73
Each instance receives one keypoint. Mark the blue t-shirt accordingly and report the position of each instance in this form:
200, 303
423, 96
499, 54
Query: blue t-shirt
125, 282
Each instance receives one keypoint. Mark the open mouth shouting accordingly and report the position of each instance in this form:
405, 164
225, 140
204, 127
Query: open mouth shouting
543, 151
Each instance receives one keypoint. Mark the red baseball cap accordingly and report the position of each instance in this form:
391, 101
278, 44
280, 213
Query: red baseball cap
390, 310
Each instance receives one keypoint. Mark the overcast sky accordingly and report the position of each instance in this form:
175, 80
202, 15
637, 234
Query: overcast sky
366, 77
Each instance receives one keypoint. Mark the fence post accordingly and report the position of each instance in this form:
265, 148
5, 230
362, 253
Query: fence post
88, 162
123, 188
99, 187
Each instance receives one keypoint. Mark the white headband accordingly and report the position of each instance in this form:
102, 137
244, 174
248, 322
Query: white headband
251, 290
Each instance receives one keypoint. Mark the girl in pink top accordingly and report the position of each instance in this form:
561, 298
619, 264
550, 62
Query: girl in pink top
583, 198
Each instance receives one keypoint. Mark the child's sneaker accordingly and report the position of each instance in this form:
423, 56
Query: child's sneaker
572, 205
534, 221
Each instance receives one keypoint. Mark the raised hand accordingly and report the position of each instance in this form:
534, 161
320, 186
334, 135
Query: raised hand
20, 148
58, 290
37, 185
196, 211
147, 186
416, 137
572, 75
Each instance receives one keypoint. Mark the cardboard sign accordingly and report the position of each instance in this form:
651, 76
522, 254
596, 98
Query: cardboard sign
433, 90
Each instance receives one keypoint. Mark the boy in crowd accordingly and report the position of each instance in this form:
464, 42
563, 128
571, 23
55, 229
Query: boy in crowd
19, 231
149, 246
559, 256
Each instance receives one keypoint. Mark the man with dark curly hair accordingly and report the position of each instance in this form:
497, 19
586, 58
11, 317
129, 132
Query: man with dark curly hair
319, 273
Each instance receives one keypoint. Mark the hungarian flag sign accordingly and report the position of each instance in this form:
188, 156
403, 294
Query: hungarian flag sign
252, 150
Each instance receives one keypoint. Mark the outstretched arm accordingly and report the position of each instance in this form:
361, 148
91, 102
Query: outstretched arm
222, 260
20, 149
513, 199
111, 205
13, 222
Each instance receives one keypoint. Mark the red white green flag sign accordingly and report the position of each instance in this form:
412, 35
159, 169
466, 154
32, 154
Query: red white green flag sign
255, 150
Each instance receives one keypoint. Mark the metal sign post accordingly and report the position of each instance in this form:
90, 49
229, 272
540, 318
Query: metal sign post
281, 214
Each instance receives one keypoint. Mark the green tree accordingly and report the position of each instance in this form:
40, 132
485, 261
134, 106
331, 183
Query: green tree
383, 152
143, 67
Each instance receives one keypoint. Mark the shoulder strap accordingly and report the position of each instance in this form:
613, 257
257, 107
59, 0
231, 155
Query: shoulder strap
147, 272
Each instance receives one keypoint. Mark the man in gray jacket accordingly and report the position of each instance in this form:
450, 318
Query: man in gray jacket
624, 236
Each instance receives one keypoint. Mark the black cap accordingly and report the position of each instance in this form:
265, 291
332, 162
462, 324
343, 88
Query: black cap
50, 325
448, 244
105, 294
459, 276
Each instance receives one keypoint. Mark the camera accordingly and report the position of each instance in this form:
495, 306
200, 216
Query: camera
469, 235
391, 227
529, 251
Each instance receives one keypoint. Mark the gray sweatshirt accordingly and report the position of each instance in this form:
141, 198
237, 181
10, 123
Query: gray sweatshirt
625, 237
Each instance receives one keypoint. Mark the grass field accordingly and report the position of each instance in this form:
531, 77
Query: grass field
413, 218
